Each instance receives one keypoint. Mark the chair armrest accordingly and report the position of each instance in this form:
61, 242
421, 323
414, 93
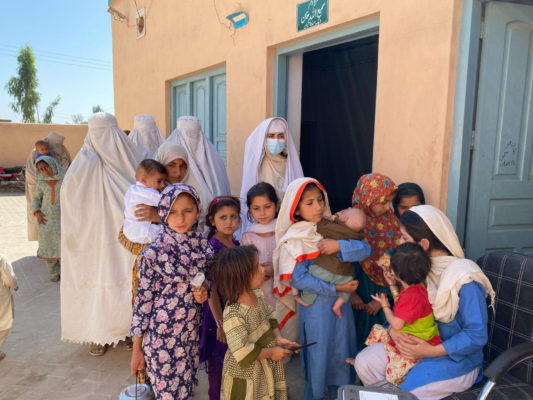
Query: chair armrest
508, 359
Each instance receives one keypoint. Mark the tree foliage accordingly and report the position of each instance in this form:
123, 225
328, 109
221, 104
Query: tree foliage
97, 108
49, 113
24, 87
77, 119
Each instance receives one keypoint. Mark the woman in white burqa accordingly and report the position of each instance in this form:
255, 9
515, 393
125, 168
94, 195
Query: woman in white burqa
62, 156
269, 156
145, 135
204, 161
95, 270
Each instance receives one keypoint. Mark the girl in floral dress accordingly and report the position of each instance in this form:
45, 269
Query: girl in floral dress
167, 313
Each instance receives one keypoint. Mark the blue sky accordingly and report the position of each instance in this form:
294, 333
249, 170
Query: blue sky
71, 41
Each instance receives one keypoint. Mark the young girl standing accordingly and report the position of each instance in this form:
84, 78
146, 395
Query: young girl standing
166, 316
223, 220
304, 205
252, 366
263, 206
374, 194
47, 210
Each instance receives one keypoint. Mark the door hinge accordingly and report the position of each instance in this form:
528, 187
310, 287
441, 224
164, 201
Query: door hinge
483, 30
472, 140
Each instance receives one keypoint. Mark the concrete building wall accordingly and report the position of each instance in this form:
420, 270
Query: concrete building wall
18, 140
418, 42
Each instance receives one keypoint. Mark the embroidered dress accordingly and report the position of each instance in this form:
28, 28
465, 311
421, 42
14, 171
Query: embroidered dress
46, 199
166, 315
248, 331
383, 235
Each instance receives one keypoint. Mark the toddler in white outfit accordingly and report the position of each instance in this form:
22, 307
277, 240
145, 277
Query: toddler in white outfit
150, 177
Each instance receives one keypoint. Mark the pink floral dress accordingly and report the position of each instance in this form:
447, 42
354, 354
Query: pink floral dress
165, 314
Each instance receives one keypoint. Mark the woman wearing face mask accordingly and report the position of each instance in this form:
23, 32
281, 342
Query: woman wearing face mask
269, 156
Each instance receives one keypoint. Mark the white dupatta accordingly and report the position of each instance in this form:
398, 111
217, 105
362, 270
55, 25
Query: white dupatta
145, 135
254, 153
296, 241
449, 273
95, 268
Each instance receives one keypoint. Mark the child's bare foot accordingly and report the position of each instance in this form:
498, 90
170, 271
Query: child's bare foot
350, 361
337, 306
2, 355
299, 300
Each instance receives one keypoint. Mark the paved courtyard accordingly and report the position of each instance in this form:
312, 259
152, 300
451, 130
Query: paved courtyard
38, 364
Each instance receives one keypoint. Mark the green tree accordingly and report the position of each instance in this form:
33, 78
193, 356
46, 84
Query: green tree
24, 87
77, 119
97, 108
49, 113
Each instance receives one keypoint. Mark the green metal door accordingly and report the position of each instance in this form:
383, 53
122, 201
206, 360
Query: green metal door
500, 204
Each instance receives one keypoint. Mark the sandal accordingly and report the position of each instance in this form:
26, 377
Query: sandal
128, 343
97, 350
2, 355
55, 278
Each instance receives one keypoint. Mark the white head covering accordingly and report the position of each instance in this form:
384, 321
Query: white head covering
145, 135
449, 273
62, 156
295, 241
170, 151
96, 270
254, 153
204, 159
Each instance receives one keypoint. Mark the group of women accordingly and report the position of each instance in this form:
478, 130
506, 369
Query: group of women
96, 271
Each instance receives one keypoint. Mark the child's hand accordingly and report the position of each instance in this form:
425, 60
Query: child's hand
299, 300
329, 247
381, 299
268, 270
278, 353
137, 362
357, 302
348, 287
286, 343
200, 294
221, 336
41, 218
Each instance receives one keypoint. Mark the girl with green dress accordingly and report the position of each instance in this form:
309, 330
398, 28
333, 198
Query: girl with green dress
47, 210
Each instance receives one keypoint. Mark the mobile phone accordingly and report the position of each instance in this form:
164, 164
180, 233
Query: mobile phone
303, 346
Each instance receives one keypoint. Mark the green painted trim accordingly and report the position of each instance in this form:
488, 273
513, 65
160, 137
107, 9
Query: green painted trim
463, 119
330, 38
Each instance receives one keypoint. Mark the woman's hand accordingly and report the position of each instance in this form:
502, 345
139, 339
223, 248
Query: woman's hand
348, 287
137, 361
415, 348
146, 213
200, 294
357, 302
268, 270
381, 299
41, 218
373, 307
221, 336
329, 247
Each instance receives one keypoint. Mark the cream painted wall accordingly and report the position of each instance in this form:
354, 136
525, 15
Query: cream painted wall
18, 140
416, 72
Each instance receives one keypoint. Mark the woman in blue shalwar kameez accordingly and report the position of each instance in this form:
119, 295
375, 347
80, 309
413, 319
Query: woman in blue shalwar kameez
457, 289
305, 203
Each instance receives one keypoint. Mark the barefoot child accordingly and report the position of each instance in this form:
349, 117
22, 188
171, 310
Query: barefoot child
263, 207
329, 268
150, 180
46, 209
222, 218
8, 281
166, 316
412, 312
252, 366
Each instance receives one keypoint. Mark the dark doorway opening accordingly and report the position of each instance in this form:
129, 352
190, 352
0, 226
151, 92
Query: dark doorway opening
338, 110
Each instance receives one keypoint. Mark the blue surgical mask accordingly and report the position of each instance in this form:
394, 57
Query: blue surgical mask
275, 146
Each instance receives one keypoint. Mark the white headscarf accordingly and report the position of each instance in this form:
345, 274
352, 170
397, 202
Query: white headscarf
449, 273
145, 135
95, 268
62, 156
170, 151
204, 159
295, 241
254, 154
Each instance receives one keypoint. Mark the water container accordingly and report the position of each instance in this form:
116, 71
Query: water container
144, 392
